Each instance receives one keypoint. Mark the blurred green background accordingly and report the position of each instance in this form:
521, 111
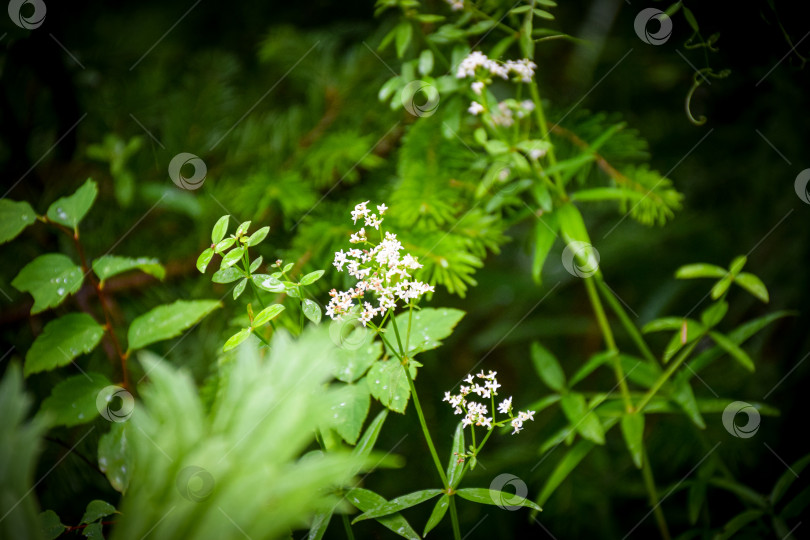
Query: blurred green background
280, 102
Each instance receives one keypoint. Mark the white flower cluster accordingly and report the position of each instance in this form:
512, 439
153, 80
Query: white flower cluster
380, 271
476, 413
456, 5
510, 109
523, 69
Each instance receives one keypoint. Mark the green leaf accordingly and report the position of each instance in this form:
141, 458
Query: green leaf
257, 262
93, 531
606, 194
548, 367
351, 363
737, 264
167, 321
267, 314
400, 503
721, 286
14, 218
232, 257
287, 268
366, 443
365, 499
683, 395
319, 524
242, 229
712, 315
312, 310
219, 230
96, 510
403, 37
496, 147
350, 410
437, 514
50, 525
745, 493
737, 353
108, 266
690, 18
428, 327
590, 366
664, 323
73, 401
312, 277
69, 211
115, 456
796, 505
736, 523
388, 383
224, 245
426, 62
204, 259
237, 339
49, 278
700, 270
787, 479
258, 236
567, 464
754, 285
545, 232
240, 288
61, 341
572, 225
497, 498
228, 275
268, 283
633, 432
455, 463
584, 421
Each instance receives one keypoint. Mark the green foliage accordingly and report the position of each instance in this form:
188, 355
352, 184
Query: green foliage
61, 341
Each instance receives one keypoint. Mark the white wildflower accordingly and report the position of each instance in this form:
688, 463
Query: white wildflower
475, 108
477, 87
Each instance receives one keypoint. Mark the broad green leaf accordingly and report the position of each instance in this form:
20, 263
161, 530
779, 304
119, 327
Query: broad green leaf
736, 523
93, 531
73, 401
428, 327
737, 353
240, 288
219, 230
365, 499
584, 421
232, 257
69, 211
567, 464
389, 384
204, 259
437, 514
351, 363
712, 315
400, 503
754, 285
633, 431
108, 266
366, 443
267, 314
268, 283
242, 229
237, 339
287, 268
572, 225
115, 456
228, 275
312, 277
545, 232
258, 236
61, 341
548, 367
700, 270
49, 278
167, 321
224, 245
497, 498
350, 410
51, 525
455, 463
312, 310
96, 510
404, 32
787, 479
426, 62
14, 218
319, 524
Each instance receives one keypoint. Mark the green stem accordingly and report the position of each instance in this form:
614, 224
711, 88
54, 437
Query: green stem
348, 526
667, 374
649, 484
617, 308
416, 405
599, 311
454, 518
541, 120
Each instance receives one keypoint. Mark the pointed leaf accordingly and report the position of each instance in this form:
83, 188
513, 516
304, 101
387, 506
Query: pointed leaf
312, 310
682, 395
167, 321
567, 464
224, 245
590, 366
219, 230
712, 315
257, 262
73, 401
320, 522
350, 410
400, 503
49, 278
787, 479
365, 499
496, 498
50, 525
312, 277
584, 421
545, 232
753, 284
204, 259
438, 513
389, 384
700, 270
548, 367
228, 275
455, 463
14, 218
267, 314
736, 523
61, 341
352, 363
258, 236
115, 456
737, 353
633, 432
242, 229
96, 510
236, 339
240, 288
366, 443
69, 211
108, 266
428, 327
232, 257
268, 283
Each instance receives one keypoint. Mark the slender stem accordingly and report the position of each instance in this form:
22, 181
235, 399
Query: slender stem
348, 526
667, 374
649, 484
541, 120
454, 518
416, 405
599, 311
617, 308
